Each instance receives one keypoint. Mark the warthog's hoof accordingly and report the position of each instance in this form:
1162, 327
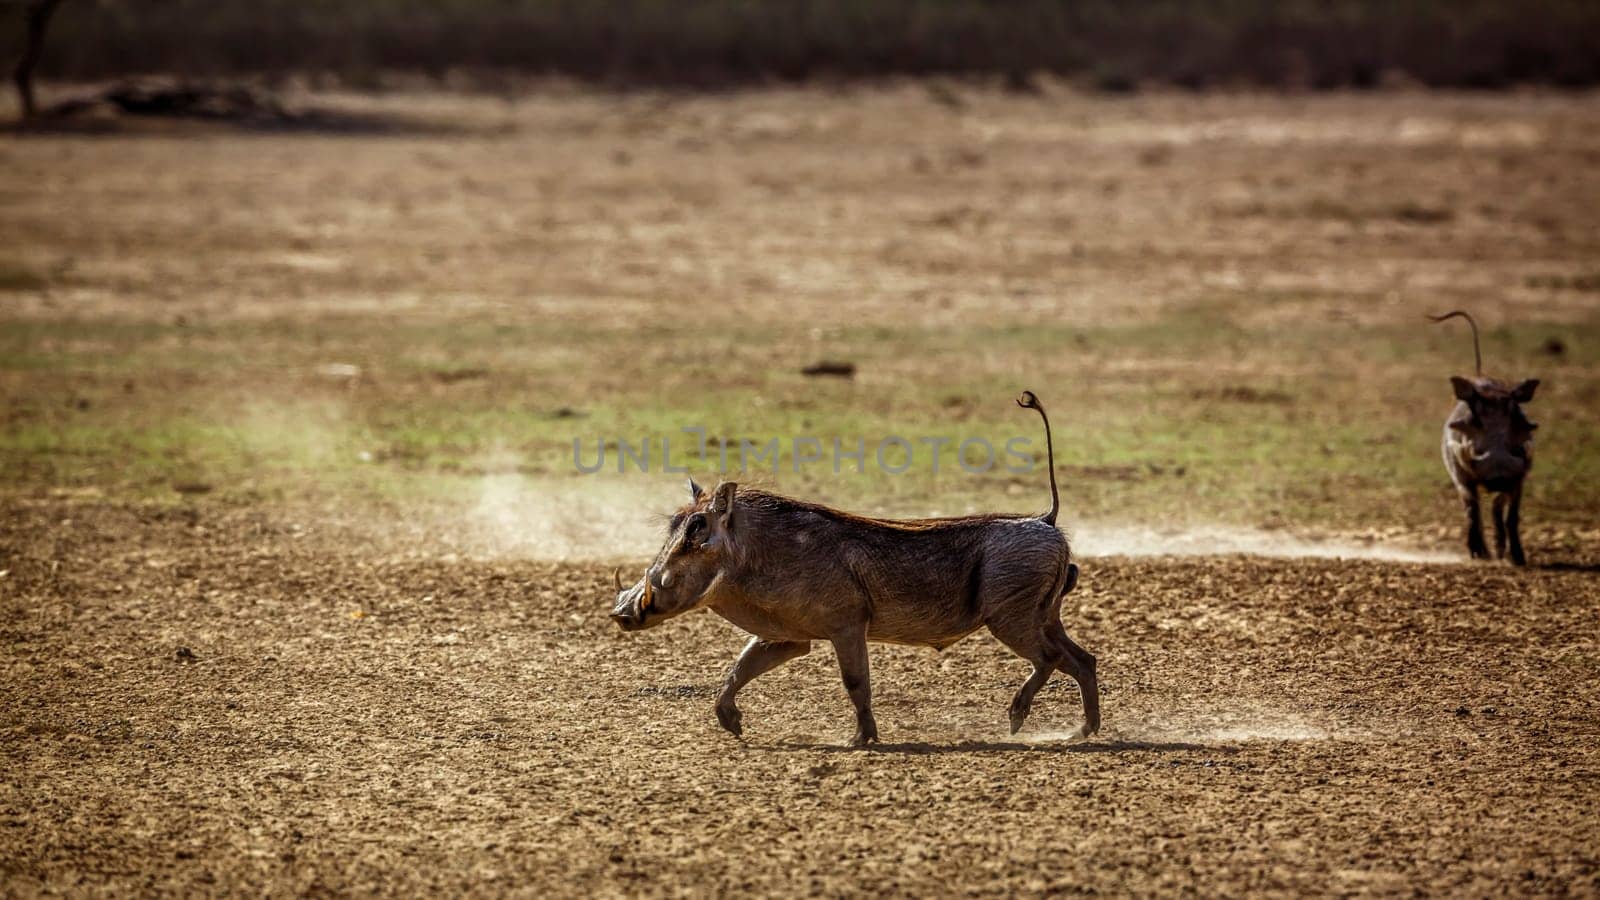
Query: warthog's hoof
865, 734
731, 719
1019, 714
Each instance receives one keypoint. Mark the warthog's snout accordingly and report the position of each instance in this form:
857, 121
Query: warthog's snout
625, 618
633, 604
1500, 469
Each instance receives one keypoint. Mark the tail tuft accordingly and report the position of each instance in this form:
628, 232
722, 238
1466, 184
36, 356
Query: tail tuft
1028, 400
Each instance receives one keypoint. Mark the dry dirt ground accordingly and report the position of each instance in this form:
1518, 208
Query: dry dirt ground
227, 702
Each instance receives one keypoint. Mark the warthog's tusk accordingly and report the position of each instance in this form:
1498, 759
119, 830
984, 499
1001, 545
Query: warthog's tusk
644, 602
616, 575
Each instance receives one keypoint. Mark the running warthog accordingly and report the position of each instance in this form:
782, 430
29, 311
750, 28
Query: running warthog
1488, 443
791, 572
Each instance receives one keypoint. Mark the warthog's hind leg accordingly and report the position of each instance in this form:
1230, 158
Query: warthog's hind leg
1079, 664
1023, 701
758, 658
1026, 638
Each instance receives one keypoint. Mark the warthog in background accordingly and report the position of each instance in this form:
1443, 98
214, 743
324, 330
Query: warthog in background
791, 572
1488, 443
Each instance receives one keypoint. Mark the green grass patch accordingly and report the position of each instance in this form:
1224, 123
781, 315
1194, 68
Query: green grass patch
1145, 428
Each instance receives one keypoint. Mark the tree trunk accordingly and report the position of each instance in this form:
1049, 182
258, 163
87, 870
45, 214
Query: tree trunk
38, 13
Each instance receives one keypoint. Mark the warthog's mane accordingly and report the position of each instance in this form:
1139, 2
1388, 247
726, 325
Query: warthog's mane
765, 502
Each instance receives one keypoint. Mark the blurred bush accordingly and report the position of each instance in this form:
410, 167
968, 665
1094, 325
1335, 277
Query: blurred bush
707, 43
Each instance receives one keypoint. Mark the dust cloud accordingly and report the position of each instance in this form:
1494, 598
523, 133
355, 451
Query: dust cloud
518, 516
1095, 539
1254, 726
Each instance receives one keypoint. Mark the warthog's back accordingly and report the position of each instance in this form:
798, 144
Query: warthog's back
998, 563
919, 581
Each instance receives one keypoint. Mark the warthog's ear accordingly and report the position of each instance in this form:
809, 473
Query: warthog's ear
695, 491
722, 505
1465, 390
1523, 392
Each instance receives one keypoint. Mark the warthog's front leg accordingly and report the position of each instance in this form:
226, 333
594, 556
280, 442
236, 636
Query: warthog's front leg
1499, 513
1514, 527
758, 658
1475, 544
851, 649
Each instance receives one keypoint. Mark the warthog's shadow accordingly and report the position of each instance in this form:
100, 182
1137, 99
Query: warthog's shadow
1564, 566
923, 748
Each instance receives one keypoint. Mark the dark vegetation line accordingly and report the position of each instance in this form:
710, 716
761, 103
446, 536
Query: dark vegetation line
1109, 44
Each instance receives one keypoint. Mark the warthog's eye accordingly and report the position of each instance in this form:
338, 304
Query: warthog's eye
697, 527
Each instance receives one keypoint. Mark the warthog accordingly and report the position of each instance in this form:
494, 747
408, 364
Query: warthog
791, 572
1488, 443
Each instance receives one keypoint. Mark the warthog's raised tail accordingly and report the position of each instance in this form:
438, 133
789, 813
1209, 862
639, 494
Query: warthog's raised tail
1027, 400
1477, 354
